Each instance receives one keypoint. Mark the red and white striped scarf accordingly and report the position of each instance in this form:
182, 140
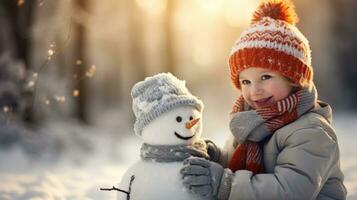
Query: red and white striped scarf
250, 126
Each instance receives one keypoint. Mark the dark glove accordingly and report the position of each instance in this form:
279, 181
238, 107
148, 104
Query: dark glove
213, 151
204, 178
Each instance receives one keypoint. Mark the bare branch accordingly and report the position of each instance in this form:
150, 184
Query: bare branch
114, 188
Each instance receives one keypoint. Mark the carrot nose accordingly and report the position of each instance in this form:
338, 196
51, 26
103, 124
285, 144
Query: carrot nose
191, 123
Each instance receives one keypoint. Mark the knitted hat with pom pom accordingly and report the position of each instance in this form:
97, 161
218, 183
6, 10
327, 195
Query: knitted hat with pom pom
273, 42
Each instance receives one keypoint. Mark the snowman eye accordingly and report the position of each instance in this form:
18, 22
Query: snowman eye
178, 119
191, 118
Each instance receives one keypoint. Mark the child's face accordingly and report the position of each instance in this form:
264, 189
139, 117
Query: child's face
261, 87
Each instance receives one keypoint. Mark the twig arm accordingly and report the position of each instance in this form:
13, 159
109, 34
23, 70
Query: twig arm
114, 188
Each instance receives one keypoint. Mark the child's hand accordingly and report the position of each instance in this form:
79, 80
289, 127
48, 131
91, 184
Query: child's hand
202, 177
213, 151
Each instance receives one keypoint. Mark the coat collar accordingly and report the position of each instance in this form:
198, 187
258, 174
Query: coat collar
323, 109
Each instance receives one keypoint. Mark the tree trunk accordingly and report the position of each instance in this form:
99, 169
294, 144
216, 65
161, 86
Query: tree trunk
79, 47
16, 22
346, 47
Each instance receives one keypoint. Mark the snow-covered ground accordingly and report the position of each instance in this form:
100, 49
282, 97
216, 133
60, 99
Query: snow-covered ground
77, 174
346, 127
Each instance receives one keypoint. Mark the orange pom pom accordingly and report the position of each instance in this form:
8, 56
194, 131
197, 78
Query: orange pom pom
276, 9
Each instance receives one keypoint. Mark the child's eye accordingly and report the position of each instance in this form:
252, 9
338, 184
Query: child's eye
245, 82
265, 77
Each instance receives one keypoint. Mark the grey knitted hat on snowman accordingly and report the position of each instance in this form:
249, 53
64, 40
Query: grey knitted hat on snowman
158, 94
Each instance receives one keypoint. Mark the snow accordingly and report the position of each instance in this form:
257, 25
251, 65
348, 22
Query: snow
80, 175
346, 126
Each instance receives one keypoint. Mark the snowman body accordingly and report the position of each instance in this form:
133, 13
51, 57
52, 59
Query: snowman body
162, 180
155, 181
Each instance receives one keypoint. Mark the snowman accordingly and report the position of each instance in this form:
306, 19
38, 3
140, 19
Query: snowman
168, 119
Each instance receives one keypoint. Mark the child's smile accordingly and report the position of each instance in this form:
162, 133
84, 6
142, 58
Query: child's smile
262, 87
264, 101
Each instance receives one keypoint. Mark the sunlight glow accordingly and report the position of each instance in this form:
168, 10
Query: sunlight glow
153, 7
60, 98
20, 2
202, 55
90, 73
6, 109
31, 84
50, 52
213, 13
239, 12
75, 93
210, 7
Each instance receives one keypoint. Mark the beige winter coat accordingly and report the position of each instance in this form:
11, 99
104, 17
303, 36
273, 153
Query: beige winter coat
302, 161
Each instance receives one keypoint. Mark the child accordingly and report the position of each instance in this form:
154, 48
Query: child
282, 145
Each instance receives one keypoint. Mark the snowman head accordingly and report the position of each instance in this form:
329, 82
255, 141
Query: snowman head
178, 126
160, 100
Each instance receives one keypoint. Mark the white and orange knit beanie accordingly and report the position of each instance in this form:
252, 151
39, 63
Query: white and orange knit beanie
272, 41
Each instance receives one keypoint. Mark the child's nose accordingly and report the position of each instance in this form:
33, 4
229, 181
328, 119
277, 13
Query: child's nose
256, 89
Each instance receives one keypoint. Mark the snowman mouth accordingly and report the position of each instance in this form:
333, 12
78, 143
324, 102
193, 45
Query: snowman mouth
182, 137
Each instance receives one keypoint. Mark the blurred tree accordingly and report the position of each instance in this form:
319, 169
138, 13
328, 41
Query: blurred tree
345, 30
19, 21
16, 19
136, 40
79, 45
15, 43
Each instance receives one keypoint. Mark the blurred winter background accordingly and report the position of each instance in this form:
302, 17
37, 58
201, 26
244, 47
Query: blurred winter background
67, 67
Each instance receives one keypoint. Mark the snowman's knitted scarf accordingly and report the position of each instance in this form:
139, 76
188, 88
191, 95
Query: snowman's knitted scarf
251, 127
172, 153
